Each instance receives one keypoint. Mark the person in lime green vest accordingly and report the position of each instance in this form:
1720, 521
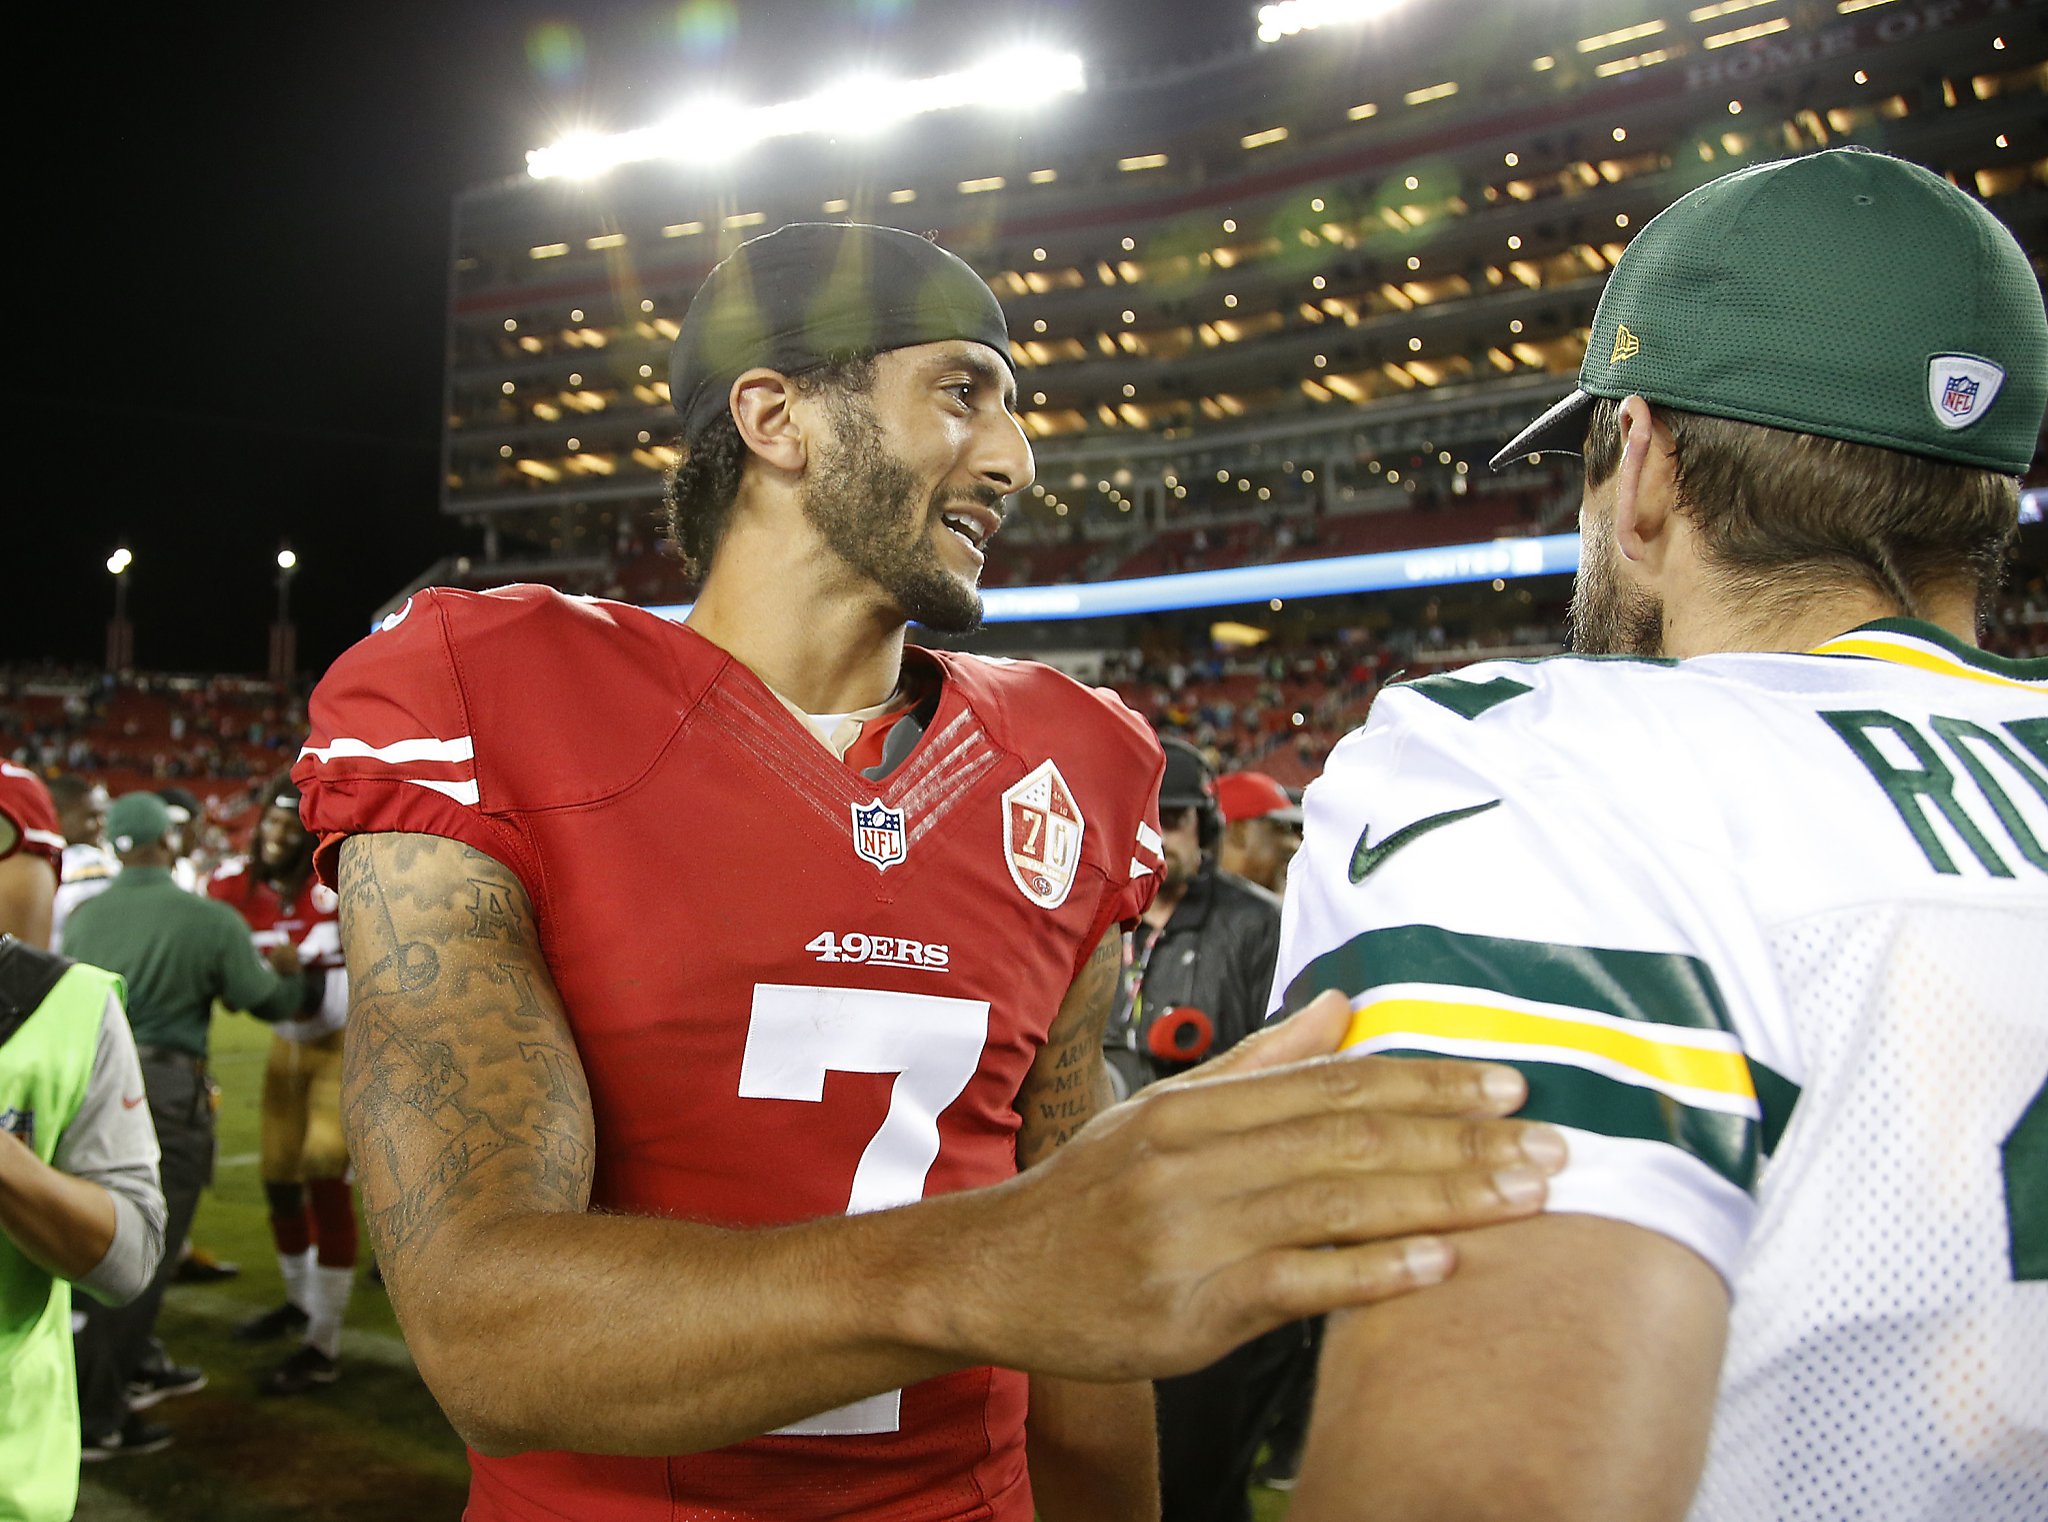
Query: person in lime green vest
80, 1204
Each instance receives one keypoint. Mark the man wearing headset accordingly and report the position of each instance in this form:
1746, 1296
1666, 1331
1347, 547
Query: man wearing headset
1197, 979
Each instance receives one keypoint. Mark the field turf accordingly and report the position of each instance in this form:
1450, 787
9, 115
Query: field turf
373, 1445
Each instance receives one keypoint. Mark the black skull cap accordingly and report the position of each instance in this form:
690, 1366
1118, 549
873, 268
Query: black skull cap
815, 293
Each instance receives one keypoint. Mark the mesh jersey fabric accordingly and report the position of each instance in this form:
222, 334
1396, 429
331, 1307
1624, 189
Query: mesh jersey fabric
1788, 997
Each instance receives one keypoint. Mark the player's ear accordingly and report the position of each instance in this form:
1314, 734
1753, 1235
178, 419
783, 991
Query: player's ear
763, 408
1646, 485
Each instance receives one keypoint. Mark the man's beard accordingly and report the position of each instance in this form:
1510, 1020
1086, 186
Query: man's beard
862, 500
1609, 616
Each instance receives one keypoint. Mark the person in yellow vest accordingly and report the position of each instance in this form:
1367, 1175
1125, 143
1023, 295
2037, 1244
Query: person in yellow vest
80, 1204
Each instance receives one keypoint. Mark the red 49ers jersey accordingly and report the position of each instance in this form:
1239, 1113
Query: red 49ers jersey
26, 806
310, 920
796, 991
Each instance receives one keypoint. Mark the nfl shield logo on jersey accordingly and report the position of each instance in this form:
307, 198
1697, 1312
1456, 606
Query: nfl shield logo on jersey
878, 834
1042, 828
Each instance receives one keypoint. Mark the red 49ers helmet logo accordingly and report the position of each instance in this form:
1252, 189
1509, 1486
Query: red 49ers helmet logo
1042, 829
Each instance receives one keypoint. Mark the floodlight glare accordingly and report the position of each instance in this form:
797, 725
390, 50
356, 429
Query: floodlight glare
1025, 78
579, 156
287, 560
709, 132
120, 560
1289, 17
859, 106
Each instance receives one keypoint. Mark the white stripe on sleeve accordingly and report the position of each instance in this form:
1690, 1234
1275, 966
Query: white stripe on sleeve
461, 792
398, 753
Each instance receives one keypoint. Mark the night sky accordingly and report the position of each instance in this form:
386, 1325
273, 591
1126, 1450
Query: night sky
230, 226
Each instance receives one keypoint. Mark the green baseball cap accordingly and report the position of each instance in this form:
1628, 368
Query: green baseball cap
1846, 294
138, 819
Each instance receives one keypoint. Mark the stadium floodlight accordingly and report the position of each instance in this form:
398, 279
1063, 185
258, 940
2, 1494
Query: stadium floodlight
860, 105
708, 132
287, 560
120, 560
1289, 17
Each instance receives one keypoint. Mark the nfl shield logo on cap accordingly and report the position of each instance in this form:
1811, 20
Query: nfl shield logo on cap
1961, 388
878, 834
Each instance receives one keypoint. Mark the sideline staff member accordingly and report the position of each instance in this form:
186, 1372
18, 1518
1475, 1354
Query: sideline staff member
177, 952
79, 1204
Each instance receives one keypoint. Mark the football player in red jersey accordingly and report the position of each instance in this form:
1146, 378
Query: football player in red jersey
31, 855
727, 996
304, 1155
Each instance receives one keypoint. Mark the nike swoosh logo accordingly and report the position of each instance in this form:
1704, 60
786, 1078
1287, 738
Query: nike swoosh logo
1366, 858
129, 1104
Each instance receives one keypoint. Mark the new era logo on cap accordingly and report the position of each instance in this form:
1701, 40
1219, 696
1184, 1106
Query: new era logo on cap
1961, 389
1626, 345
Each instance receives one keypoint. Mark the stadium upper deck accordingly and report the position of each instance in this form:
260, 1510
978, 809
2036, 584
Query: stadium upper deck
1316, 274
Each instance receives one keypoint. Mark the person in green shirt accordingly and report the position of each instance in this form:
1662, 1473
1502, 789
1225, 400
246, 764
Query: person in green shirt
177, 952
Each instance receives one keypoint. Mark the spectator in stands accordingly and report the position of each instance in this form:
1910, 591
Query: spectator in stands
79, 1204
86, 868
1200, 972
177, 952
1261, 828
31, 849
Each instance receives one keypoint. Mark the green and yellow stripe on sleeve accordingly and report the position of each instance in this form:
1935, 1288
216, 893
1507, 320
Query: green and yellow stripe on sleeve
1623, 1043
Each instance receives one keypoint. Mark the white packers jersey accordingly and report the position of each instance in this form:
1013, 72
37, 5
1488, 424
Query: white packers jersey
1768, 935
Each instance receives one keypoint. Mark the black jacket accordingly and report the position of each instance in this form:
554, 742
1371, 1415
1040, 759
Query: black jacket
1214, 955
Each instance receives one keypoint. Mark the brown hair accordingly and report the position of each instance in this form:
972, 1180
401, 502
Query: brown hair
1786, 514
705, 483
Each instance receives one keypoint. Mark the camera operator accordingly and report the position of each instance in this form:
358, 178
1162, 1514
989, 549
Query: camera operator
1197, 980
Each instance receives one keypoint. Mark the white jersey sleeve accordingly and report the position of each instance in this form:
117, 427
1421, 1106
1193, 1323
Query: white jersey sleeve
1473, 897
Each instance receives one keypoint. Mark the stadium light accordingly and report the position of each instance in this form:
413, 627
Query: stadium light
1290, 17
120, 638
1013, 79
287, 560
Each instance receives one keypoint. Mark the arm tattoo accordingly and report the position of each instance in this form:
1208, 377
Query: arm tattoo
462, 1090
1069, 1082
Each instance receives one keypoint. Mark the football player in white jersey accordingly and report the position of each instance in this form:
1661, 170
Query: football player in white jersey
1758, 904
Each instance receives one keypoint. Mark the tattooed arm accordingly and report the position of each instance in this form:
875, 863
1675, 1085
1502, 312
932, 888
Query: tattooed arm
1091, 1447
536, 1323
1146, 1246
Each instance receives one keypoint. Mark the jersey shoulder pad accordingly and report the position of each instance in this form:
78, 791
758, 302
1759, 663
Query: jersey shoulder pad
1033, 702
26, 803
503, 693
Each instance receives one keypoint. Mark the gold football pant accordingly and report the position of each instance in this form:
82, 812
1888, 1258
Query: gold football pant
302, 1137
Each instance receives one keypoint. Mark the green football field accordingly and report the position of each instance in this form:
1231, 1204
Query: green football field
373, 1445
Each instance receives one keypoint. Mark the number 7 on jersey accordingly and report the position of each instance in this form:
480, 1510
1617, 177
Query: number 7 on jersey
798, 1033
